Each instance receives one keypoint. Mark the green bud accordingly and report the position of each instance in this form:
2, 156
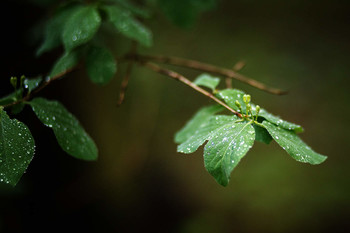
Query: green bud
22, 80
238, 104
249, 107
257, 108
246, 99
13, 81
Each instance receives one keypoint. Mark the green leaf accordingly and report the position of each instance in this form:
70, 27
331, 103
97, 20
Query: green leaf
16, 149
127, 25
185, 12
54, 28
32, 84
230, 96
294, 146
17, 108
208, 81
136, 10
69, 133
12, 97
100, 65
206, 132
65, 63
224, 151
262, 135
81, 27
281, 123
200, 119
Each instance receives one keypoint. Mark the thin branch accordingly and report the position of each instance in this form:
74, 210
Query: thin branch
184, 80
42, 86
125, 82
237, 67
206, 68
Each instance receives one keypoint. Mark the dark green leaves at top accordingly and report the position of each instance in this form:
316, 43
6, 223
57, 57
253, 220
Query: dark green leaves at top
136, 10
80, 27
69, 133
54, 28
127, 25
185, 12
100, 65
206, 80
16, 149
197, 121
295, 147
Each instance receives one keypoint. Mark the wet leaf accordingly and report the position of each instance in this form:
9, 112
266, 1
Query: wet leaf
261, 134
54, 28
281, 123
11, 97
136, 10
205, 132
69, 133
32, 84
200, 119
16, 149
223, 152
230, 96
294, 146
100, 65
207, 80
81, 27
127, 25
65, 63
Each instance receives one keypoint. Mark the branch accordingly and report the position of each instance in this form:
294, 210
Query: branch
207, 68
184, 80
125, 83
42, 86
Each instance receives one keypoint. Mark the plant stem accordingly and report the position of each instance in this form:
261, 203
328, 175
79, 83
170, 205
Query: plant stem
207, 68
184, 80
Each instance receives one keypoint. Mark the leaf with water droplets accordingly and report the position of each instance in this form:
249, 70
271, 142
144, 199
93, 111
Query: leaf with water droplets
223, 152
200, 119
16, 149
81, 27
100, 65
127, 25
261, 134
231, 95
206, 80
54, 28
205, 132
69, 133
31, 84
281, 123
65, 63
295, 147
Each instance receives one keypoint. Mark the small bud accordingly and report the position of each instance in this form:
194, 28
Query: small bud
13, 81
257, 108
246, 99
238, 104
249, 107
22, 80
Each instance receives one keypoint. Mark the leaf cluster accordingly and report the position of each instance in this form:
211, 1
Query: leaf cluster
227, 139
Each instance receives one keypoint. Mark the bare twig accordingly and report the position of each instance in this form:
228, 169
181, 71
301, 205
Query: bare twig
237, 67
207, 68
125, 82
184, 80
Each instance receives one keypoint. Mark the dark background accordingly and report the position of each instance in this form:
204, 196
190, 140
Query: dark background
140, 183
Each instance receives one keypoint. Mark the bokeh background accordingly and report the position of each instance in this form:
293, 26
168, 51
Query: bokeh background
140, 183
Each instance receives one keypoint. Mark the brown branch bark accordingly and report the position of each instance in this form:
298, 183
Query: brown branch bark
184, 80
207, 68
